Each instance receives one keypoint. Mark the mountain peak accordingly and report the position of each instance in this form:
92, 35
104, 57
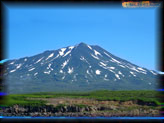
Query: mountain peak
81, 67
82, 43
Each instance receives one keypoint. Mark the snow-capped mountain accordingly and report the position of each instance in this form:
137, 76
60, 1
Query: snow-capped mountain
81, 67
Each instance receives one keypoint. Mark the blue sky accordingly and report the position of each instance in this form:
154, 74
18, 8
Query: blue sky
130, 34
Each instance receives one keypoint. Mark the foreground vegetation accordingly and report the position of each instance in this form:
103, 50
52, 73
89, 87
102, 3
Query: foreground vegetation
106, 95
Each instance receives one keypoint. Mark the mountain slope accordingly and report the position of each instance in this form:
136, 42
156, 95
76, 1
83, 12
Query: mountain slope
76, 68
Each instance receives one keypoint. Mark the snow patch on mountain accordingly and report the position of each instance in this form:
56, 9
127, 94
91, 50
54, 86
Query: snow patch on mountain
63, 77
98, 72
119, 72
118, 77
12, 62
49, 66
87, 71
139, 68
132, 73
51, 55
62, 51
71, 47
65, 63
143, 72
54, 58
103, 64
39, 60
89, 47
90, 73
47, 72
121, 66
70, 70
18, 66
96, 53
61, 71
31, 69
107, 54
153, 72
106, 77
111, 71
112, 67
67, 53
114, 60
94, 57
83, 59
35, 73
132, 68
13, 70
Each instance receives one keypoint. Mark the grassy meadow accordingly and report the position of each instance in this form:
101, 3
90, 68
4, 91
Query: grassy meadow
102, 95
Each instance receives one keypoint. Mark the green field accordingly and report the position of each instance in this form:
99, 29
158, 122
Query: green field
144, 95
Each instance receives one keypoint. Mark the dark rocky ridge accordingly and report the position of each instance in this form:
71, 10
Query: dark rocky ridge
74, 110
